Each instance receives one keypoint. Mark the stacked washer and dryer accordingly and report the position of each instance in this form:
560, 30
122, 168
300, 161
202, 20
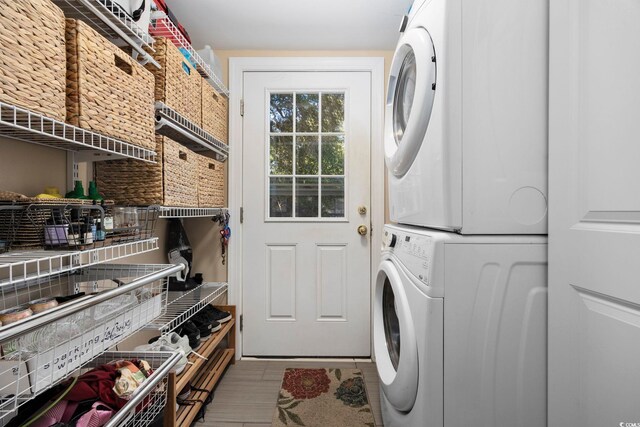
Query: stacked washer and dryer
460, 320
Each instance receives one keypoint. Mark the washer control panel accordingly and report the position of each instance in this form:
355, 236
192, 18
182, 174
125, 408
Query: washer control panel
415, 251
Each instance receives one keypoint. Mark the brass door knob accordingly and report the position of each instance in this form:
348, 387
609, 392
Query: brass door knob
362, 230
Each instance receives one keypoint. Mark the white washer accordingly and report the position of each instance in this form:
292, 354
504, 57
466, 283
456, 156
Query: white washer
466, 117
460, 329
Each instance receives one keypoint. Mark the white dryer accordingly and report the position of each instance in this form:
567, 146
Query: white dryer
460, 329
466, 117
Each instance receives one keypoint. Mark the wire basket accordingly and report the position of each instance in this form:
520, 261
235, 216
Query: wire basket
74, 226
152, 397
147, 404
9, 216
112, 301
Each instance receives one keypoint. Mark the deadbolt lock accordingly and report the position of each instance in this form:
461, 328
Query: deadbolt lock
362, 210
362, 230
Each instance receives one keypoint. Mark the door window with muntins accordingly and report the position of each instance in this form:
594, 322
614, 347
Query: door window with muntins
306, 171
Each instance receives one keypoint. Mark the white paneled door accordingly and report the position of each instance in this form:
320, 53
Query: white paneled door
594, 216
306, 194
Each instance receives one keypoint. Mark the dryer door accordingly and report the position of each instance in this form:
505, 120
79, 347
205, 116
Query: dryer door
412, 88
394, 338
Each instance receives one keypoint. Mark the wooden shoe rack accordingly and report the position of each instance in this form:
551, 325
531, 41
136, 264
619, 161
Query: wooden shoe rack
202, 374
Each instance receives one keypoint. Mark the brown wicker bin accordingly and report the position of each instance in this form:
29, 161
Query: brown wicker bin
215, 110
178, 84
107, 91
211, 188
173, 181
180, 175
32, 57
131, 182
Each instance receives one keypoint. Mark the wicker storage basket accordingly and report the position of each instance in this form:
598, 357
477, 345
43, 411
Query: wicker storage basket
173, 181
180, 174
131, 182
211, 188
178, 84
214, 113
32, 57
107, 91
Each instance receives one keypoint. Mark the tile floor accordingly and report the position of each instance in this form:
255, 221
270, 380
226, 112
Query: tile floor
247, 394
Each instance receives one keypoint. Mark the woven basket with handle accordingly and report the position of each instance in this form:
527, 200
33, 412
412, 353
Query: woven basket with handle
107, 91
173, 181
32, 56
178, 84
211, 187
214, 113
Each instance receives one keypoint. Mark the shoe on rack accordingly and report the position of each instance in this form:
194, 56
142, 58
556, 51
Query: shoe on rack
157, 346
176, 341
205, 322
215, 325
191, 331
217, 314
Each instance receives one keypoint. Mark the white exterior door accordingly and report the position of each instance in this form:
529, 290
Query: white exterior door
594, 216
306, 176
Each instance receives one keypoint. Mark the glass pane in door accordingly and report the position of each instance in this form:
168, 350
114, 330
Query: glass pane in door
307, 164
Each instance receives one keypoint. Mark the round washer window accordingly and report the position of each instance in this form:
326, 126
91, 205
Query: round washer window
403, 99
391, 324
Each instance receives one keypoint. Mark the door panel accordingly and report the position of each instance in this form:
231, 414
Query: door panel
594, 297
332, 282
306, 171
281, 284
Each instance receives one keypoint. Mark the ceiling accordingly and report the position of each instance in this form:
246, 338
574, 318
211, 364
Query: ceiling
292, 24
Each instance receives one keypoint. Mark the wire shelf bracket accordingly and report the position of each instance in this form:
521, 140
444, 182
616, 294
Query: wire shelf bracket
110, 20
182, 305
173, 125
164, 27
178, 212
24, 125
23, 266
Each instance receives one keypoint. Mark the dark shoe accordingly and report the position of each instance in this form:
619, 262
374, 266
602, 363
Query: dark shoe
218, 315
202, 321
189, 329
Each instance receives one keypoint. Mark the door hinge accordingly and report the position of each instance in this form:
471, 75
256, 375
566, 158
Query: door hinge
242, 107
241, 214
241, 323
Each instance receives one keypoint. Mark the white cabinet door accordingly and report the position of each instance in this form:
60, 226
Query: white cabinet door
594, 228
306, 173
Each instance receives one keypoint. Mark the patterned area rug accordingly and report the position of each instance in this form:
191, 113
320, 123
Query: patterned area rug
323, 398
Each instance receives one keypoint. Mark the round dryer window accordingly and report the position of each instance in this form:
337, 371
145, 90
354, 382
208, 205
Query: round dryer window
412, 89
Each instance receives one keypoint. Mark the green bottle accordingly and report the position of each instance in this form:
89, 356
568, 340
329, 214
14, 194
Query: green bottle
94, 194
77, 193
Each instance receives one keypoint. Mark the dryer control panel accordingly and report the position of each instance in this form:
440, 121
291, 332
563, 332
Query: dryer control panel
414, 251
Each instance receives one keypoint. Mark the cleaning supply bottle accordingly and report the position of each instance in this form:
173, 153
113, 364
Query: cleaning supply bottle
94, 194
77, 193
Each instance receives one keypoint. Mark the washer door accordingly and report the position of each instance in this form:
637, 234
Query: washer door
395, 343
410, 96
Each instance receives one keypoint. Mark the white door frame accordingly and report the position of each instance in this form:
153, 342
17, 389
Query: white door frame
237, 68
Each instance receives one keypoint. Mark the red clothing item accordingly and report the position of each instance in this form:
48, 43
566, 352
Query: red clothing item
97, 384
